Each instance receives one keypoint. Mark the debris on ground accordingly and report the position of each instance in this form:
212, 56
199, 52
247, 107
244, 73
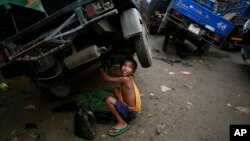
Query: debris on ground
186, 72
160, 128
151, 94
165, 88
243, 110
171, 73
142, 132
188, 86
158, 131
186, 64
149, 115
37, 136
189, 104
30, 107
103, 136
229, 105
169, 61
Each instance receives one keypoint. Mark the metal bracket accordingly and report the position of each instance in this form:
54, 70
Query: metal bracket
80, 15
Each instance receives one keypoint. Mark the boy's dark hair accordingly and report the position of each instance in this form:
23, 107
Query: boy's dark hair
130, 59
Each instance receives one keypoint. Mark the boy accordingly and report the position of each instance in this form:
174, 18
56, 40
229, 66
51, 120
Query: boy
127, 101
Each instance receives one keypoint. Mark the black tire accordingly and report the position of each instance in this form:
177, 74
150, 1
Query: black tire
57, 88
60, 89
224, 45
243, 56
200, 51
153, 30
142, 48
165, 43
169, 29
42, 84
202, 48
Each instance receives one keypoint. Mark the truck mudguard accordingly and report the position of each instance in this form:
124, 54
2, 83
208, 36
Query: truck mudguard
131, 22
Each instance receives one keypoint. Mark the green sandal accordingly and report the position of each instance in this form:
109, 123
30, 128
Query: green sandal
118, 131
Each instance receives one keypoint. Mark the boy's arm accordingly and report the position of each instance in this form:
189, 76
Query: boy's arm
108, 78
112, 71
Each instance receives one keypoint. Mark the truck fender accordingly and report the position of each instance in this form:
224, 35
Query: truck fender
131, 22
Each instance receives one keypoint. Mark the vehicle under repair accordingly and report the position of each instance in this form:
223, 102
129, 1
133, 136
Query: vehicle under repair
72, 34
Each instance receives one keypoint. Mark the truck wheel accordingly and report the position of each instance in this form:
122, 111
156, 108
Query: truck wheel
202, 48
224, 45
59, 88
142, 48
165, 43
169, 28
42, 84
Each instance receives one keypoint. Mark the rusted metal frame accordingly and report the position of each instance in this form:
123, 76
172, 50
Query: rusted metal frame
27, 58
47, 39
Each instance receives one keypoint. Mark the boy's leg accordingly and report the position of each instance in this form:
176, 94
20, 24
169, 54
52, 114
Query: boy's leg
117, 93
110, 102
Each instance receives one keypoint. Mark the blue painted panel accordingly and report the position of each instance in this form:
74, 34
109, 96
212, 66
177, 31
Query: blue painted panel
203, 16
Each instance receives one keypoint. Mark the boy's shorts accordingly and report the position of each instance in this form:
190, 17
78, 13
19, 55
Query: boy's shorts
126, 113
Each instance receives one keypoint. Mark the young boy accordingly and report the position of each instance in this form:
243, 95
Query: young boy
127, 101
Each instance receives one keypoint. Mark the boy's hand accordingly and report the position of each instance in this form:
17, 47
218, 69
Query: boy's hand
100, 65
101, 70
103, 74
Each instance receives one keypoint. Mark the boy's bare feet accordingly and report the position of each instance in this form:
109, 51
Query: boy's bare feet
120, 125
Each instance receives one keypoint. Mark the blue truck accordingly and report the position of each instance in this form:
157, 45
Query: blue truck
186, 19
241, 8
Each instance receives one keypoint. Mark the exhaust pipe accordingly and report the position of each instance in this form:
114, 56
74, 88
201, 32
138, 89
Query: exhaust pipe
90, 53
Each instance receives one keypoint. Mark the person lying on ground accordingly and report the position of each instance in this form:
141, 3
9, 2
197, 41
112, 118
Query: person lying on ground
127, 102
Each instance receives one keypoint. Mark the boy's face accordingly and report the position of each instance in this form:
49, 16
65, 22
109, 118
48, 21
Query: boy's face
127, 68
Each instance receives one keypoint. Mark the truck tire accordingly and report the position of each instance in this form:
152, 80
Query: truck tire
165, 43
142, 48
59, 89
169, 29
202, 48
224, 45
